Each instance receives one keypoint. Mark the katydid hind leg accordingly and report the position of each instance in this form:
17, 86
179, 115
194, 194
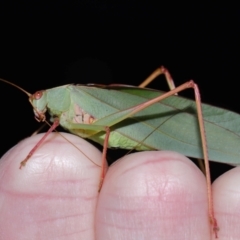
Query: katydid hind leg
182, 87
213, 220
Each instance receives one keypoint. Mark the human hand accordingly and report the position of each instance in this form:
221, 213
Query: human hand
146, 195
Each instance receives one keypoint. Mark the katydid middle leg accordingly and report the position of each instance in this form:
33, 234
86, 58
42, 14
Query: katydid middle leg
93, 129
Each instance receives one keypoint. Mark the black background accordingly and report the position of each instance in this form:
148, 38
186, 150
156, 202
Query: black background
44, 45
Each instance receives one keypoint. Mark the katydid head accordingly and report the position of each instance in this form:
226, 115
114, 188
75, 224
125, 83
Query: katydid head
39, 102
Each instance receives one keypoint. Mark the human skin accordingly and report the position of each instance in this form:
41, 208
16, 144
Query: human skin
146, 195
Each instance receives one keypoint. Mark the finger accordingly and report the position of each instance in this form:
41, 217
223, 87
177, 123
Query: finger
153, 195
54, 196
227, 204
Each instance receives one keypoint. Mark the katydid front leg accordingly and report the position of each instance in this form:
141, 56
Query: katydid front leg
52, 128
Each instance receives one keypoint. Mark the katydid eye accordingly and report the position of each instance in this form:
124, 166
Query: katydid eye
37, 95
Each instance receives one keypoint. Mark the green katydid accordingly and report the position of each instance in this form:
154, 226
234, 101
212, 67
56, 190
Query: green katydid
144, 119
